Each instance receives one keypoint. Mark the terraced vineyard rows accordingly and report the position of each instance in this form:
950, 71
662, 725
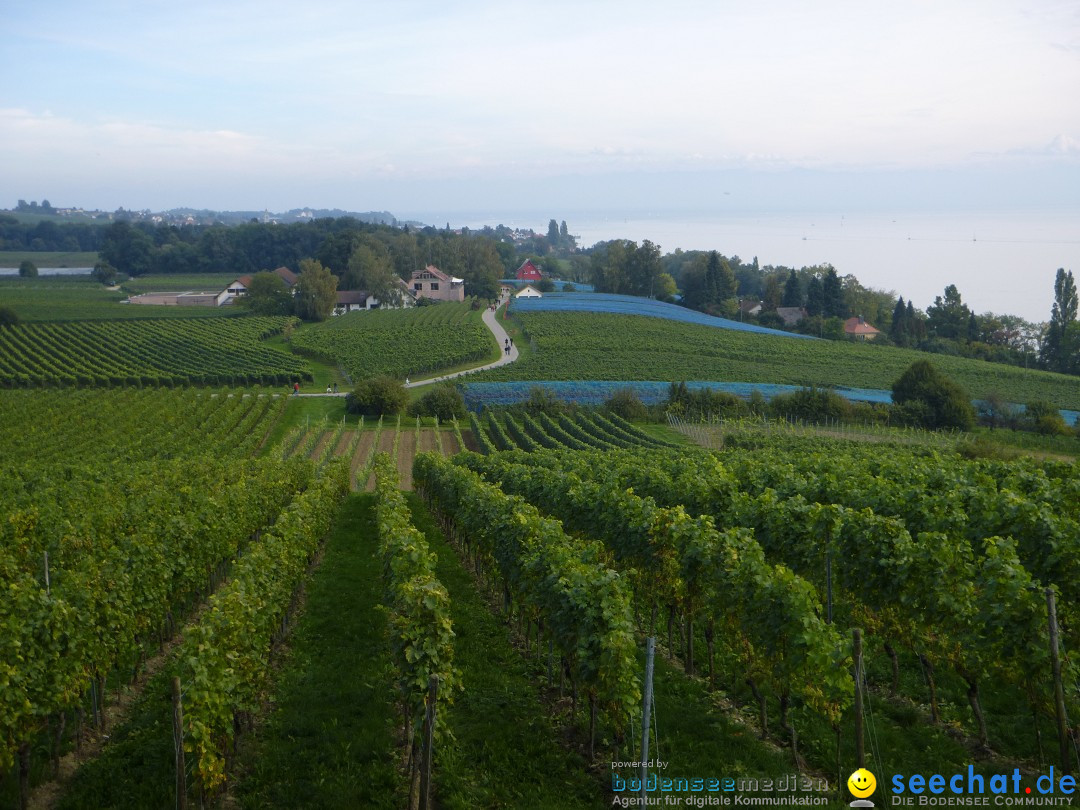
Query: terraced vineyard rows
204, 351
602, 346
400, 342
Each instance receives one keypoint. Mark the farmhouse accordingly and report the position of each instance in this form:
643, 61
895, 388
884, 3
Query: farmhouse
791, 315
859, 329
528, 291
353, 300
240, 286
431, 282
528, 271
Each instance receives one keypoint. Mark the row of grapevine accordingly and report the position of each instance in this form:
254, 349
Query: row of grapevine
420, 629
73, 426
400, 343
983, 616
582, 432
97, 568
172, 351
713, 578
224, 657
561, 584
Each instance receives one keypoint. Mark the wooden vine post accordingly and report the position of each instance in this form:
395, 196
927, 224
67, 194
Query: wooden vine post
1059, 692
178, 744
860, 747
428, 750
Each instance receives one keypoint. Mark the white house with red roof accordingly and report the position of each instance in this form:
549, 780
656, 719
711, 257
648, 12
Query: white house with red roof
431, 282
240, 285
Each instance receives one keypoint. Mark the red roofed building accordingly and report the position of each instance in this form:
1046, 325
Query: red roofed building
431, 282
859, 329
528, 271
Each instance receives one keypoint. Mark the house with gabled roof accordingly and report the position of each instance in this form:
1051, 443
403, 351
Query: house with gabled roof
528, 271
433, 283
859, 329
240, 286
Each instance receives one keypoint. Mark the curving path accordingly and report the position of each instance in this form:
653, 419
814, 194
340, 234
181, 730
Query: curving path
492, 323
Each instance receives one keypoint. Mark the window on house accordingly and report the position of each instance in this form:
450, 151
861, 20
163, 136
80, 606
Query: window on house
418, 286
434, 286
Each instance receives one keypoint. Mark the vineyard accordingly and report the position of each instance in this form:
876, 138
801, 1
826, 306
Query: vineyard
600, 346
401, 342
943, 562
202, 351
544, 560
636, 305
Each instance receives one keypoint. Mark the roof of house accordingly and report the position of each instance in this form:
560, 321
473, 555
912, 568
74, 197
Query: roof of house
749, 305
435, 271
286, 275
245, 280
352, 296
528, 270
791, 315
528, 288
859, 326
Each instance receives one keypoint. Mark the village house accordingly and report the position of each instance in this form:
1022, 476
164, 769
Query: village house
433, 283
791, 315
528, 271
859, 329
528, 291
353, 300
240, 285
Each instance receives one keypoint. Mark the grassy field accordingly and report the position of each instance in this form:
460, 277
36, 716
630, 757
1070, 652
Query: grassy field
59, 258
178, 282
591, 346
80, 298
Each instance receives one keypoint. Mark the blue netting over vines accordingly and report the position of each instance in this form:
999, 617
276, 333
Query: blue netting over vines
633, 305
479, 394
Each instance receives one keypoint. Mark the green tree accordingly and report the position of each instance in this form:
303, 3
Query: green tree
104, 273
949, 317
370, 270
815, 296
928, 397
665, 287
1060, 344
793, 296
833, 303
443, 401
267, 295
8, 316
27, 269
899, 331
377, 396
128, 249
316, 291
545, 285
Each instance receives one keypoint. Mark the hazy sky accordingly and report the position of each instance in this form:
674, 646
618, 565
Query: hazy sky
417, 106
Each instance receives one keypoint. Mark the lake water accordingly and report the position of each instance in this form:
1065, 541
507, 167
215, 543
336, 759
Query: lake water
1002, 262
50, 271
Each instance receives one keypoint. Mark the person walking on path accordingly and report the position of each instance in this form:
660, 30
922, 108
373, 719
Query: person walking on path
296, 389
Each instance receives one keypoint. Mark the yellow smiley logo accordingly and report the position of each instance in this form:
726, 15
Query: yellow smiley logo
861, 783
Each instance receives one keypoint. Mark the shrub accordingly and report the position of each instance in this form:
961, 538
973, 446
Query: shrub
1042, 417
627, 404
443, 401
811, 405
944, 404
8, 316
377, 396
543, 401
